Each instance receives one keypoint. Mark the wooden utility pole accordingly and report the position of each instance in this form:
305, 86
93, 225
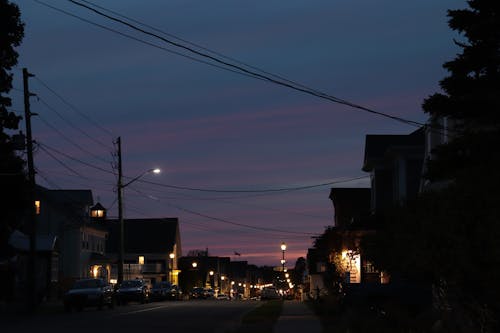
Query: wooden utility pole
121, 250
32, 283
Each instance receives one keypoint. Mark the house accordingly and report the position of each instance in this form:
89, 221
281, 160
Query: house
353, 221
151, 248
65, 214
15, 267
395, 166
439, 131
351, 206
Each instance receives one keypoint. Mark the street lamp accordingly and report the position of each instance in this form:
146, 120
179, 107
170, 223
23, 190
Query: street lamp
194, 264
171, 256
211, 279
120, 187
283, 249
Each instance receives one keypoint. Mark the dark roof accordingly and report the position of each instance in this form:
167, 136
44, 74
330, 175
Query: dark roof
352, 206
345, 194
72, 197
143, 235
376, 146
21, 241
98, 206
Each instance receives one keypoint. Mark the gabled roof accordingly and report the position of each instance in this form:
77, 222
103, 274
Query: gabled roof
68, 208
71, 197
348, 194
143, 235
352, 206
21, 242
376, 146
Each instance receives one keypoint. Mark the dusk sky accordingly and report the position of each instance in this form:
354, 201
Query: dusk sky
209, 128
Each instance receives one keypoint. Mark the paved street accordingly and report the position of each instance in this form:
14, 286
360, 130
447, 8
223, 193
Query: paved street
172, 317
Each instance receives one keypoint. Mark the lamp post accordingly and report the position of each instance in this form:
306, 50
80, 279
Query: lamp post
120, 187
171, 256
283, 261
211, 274
222, 278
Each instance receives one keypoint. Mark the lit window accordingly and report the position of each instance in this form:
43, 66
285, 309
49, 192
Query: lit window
141, 260
37, 207
95, 271
97, 213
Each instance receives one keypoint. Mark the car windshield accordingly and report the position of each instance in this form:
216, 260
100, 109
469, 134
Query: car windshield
85, 284
131, 284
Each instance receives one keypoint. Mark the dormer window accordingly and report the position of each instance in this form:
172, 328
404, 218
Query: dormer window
98, 212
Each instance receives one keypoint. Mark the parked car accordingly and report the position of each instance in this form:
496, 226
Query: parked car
269, 293
223, 297
209, 293
132, 290
202, 293
164, 290
197, 293
89, 292
159, 291
174, 293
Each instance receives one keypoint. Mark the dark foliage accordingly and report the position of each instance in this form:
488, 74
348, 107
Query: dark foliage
449, 236
471, 95
12, 177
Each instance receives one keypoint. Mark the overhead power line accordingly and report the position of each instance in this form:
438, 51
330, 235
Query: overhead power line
73, 107
270, 190
197, 45
90, 137
184, 197
290, 85
65, 137
231, 222
227, 221
140, 40
62, 163
240, 224
90, 165
284, 189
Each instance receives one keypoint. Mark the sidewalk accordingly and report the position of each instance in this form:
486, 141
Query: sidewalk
297, 317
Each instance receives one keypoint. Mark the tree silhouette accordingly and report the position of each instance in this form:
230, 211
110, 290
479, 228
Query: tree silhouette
450, 234
12, 176
471, 98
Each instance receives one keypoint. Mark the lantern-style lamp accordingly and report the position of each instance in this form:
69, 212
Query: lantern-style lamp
98, 212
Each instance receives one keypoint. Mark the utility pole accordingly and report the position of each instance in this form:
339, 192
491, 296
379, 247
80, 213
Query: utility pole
121, 251
31, 301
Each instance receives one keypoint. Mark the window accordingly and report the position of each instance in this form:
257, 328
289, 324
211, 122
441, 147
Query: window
97, 213
37, 207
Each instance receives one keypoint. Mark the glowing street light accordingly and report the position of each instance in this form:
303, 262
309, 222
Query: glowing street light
283, 249
171, 256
